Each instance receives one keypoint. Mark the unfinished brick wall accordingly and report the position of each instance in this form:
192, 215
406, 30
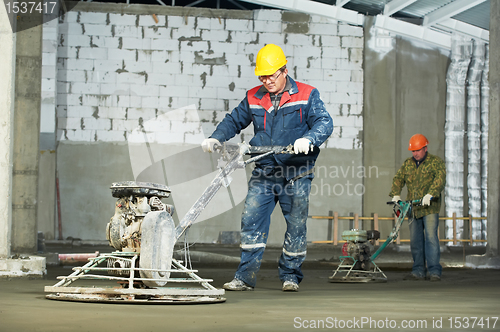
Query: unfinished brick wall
118, 73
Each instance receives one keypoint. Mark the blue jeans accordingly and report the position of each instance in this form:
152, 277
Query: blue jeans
264, 191
424, 244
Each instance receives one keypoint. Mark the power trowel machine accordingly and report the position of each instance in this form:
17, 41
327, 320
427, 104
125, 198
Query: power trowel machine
357, 261
144, 235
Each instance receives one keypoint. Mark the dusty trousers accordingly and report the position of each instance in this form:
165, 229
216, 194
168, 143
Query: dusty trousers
264, 191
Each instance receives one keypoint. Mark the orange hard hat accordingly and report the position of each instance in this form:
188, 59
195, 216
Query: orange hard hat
417, 142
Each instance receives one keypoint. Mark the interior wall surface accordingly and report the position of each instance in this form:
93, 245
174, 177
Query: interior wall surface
405, 94
138, 93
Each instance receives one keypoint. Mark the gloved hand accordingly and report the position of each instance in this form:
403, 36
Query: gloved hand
209, 144
396, 198
302, 145
426, 201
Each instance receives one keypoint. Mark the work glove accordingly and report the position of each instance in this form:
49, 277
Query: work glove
426, 201
209, 144
302, 145
396, 198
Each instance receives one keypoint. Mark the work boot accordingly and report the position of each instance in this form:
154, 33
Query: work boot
413, 276
237, 285
435, 277
290, 286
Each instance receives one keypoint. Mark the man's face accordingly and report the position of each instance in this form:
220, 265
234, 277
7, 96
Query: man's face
419, 154
275, 83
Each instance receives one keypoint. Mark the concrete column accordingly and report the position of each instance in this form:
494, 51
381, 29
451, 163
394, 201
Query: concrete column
7, 71
492, 256
28, 80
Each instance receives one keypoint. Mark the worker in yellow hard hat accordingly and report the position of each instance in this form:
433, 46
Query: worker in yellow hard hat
282, 112
424, 175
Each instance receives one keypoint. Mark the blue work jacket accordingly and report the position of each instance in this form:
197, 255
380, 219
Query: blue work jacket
301, 114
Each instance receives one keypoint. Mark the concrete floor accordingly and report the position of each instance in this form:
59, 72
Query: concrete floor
462, 294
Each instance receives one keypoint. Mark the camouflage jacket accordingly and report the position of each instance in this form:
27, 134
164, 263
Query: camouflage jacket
428, 178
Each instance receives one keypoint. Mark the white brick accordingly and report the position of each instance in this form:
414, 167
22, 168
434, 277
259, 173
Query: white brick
97, 30
111, 113
355, 87
243, 25
148, 20
69, 99
131, 78
67, 52
344, 97
185, 33
125, 125
110, 136
329, 40
344, 121
75, 40
129, 101
300, 39
122, 55
115, 89
103, 41
79, 64
49, 45
102, 76
144, 90
96, 124
61, 111
84, 88
135, 67
215, 35
157, 32
348, 65
71, 29
79, 135
356, 75
194, 46
217, 23
333, 52
92, 17
244, 36
199, 92
173, 91
136, 43
93, 53
78, 111
144, 113
310, 73
166, 68
160, 79
350, 30
323, 29
306, 51
127, 31
337, 75
49, 72
108, 65
271, 38
122, 19
203, 22
267, 15
186, 80
267, 26
98, 100
150, 102
348, 131
63, 87
352, 42
356, 55
180, 21
239, 59
165, 44
71, 123
149, 55
222, 47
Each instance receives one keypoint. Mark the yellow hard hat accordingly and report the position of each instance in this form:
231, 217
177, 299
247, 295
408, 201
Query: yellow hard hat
269, 59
